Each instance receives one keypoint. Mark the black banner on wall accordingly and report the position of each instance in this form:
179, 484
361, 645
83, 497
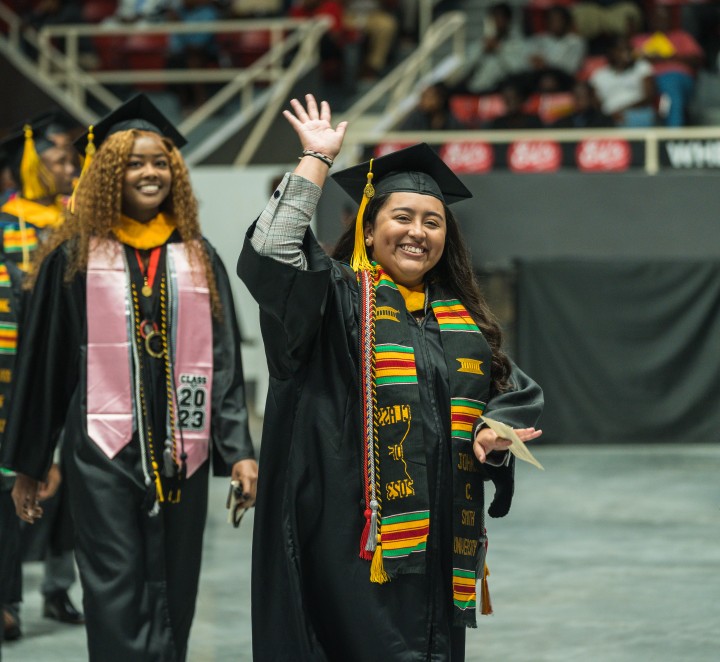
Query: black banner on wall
626, 351
535, 156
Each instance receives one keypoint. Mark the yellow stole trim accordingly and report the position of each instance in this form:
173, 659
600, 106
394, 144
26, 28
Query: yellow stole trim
414, 297
41, 216
144, 236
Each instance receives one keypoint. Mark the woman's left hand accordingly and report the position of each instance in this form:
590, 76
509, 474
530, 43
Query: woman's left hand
25, 497
245, 472
486, 441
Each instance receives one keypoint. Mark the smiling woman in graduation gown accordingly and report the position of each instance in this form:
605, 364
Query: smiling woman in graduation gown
351, 563
136, 350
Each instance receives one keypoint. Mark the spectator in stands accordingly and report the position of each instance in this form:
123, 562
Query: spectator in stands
515, 116
625, 87
587, 113
132, 11
194, 50
432, 112
601, 21
377, 21
504, 51
556, 55
332, 44
675, 57
256, 8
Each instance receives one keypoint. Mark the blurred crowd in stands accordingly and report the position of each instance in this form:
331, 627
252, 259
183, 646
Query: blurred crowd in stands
592, 64
566, 63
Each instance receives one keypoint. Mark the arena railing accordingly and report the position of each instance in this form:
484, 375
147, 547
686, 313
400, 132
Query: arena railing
293, 48
547, 150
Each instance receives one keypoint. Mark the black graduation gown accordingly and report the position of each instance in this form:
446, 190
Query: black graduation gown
139, 573
312, 598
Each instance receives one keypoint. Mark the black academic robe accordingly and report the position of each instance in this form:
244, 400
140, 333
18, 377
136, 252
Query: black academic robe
139, 572
312, 598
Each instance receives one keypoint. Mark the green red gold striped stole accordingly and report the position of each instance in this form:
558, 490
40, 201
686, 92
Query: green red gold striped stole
16, 240
464, 591
394, 364
405, 533
463, 415
383, 280
8, 337
451, 315
4, 276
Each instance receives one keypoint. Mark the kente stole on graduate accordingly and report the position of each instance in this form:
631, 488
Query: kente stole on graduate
396, 481
8, 342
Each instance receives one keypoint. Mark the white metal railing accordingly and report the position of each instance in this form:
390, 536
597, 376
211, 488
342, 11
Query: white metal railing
59, 60
651, 137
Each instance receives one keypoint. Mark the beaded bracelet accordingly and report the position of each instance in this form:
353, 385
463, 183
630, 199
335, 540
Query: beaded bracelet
318, 155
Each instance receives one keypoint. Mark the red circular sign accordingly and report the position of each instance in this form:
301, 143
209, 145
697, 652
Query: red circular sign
468, 157
603, 155
534, 156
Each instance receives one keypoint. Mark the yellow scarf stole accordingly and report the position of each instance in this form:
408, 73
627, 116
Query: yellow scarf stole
41, 216
414, 296
144, 236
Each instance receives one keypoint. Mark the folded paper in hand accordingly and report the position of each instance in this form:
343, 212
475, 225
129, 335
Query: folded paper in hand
517, 447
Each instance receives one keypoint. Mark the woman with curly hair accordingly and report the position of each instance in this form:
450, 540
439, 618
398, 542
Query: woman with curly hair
370, 515
132, 344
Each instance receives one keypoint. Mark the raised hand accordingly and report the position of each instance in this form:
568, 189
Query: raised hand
314, 127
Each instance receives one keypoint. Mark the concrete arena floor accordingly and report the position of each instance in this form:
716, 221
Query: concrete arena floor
610, 555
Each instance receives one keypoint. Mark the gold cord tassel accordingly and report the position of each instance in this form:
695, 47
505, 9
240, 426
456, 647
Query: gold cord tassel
359, 259
377, 570
37, 182
486, 605
89, 155
158, 483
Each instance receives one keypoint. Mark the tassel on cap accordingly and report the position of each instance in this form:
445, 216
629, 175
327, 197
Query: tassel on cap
37, 182
359, 259
89, 155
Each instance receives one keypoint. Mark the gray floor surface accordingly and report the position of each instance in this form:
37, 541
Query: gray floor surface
612, 554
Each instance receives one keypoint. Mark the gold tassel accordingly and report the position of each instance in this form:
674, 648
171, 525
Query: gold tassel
486, 605
37, 182
89, 155
158, 482
359, 259
377, 570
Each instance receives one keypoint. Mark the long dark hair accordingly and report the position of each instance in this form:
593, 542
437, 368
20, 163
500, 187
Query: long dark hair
454, 271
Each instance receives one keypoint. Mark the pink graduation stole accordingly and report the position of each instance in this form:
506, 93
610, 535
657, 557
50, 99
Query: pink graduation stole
111, 413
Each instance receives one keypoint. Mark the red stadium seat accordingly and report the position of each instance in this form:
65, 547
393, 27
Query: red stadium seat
94, 11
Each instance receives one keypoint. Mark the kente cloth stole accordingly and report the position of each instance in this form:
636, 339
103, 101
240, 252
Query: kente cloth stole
17, 239
8, 342
396, 481
112, 414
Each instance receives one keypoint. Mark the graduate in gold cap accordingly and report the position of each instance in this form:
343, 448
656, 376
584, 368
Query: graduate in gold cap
369, 533
44, 172
131, 342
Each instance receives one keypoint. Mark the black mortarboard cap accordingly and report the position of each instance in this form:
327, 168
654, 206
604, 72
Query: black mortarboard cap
53, 122
136, 113
416, 169
14, 145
